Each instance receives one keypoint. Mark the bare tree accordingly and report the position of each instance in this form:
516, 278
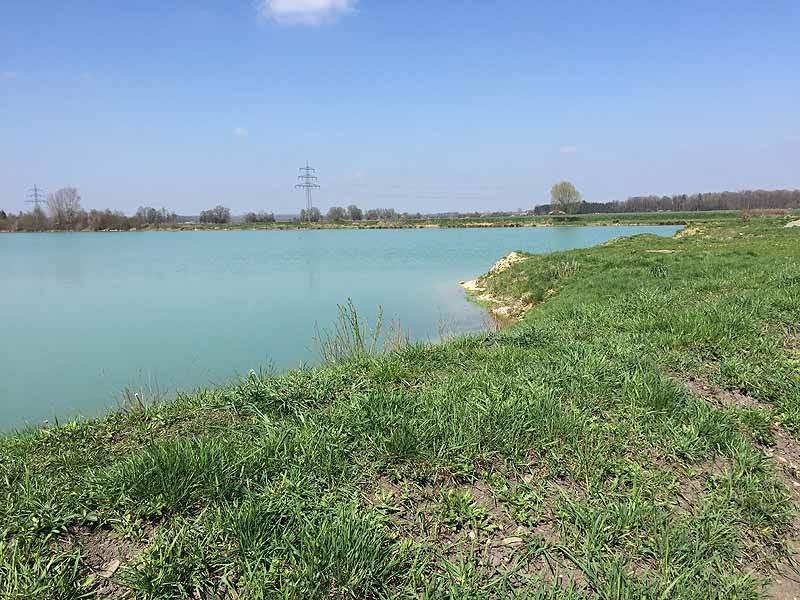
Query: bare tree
64, 207
259, 217
153, 216
104, 220
382, 214
218, 214
313, 215
35, 220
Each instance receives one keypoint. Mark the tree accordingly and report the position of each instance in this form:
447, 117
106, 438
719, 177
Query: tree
354, 213
260, 217
148, 215
383, 214
336, 213
64, 207
746, 199
219, 214
35, 220
313, 215
103, 220
564, 196
3, 215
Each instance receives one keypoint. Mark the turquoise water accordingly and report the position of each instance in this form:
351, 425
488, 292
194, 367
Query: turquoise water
86, 315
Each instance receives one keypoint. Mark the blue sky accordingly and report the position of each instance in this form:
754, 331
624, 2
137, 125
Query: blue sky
425, 106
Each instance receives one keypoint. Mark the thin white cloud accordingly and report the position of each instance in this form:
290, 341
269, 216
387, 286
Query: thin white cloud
568, 149
240, 132
304, 12
9, 74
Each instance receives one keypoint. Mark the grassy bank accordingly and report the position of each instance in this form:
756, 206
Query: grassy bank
633, 436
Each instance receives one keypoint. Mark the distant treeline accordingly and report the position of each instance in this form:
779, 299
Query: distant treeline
259, 217
218, 214
745, 200
65, 213
353, 213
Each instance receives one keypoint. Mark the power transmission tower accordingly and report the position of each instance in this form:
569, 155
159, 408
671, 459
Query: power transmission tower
308, 181
36, 196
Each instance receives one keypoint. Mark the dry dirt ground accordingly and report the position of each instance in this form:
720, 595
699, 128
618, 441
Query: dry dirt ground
785, 454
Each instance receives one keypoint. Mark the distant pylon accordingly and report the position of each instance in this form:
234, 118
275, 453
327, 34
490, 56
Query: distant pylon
308, 181
36, 196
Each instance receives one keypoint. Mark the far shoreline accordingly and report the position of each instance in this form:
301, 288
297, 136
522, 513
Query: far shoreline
641, 219
596, 219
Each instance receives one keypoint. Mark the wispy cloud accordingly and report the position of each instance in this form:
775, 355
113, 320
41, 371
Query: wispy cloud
240, 132
304, 12
568, 150
9, 74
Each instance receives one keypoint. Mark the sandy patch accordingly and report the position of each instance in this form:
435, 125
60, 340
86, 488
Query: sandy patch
502, 310
506, 262
471, 285
474, 285
687, 231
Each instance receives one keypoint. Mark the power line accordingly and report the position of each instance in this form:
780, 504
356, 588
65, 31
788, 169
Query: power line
36, 196
308, 182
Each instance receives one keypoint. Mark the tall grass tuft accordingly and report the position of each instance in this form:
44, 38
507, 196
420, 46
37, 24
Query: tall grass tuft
174, 475
659, 270
563, 269
351, 338
148, 394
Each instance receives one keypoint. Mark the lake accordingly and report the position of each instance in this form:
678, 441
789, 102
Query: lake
86, 315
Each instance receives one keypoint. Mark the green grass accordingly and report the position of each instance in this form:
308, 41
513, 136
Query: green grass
562, 457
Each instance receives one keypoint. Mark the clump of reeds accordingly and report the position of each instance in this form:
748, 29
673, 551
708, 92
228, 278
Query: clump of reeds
149, 394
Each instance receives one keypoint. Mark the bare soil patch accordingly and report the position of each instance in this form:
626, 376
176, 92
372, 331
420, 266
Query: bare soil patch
500, 546
692, 487
784, 583
104, 554
723, 398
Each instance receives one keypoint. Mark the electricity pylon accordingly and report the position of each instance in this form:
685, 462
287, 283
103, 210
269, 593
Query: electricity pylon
308, 181
36, 196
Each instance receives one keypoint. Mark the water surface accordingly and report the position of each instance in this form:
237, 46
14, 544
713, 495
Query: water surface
85, 315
